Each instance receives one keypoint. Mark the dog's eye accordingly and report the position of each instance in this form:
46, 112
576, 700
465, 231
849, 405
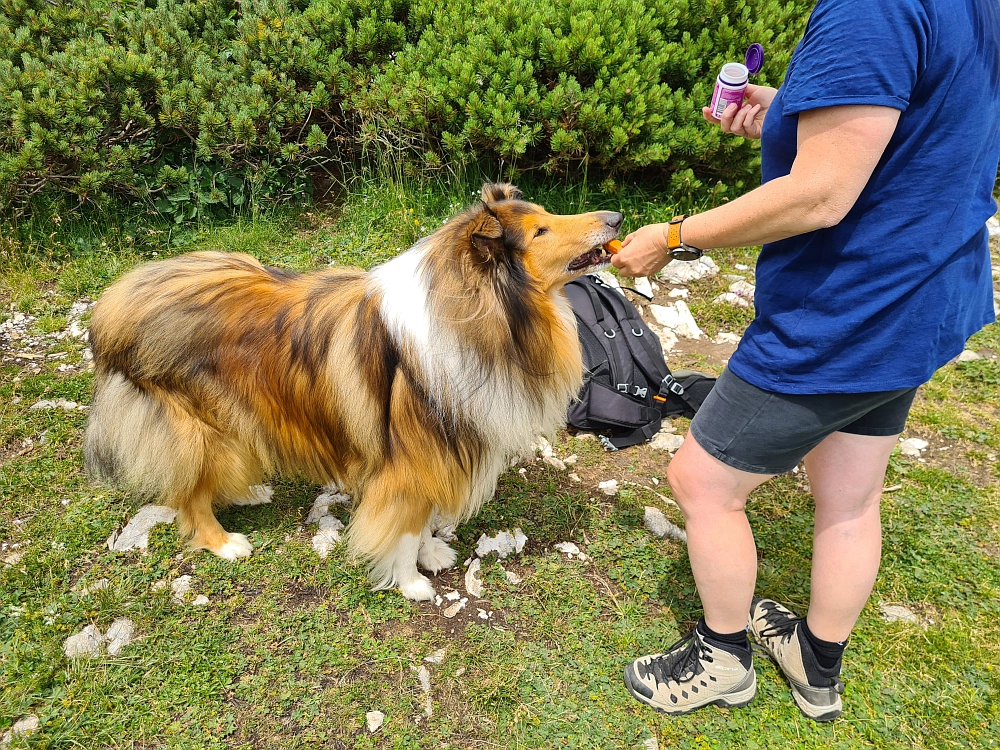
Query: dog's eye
540, 231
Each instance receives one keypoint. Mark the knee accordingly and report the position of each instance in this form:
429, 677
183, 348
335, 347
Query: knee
698, 493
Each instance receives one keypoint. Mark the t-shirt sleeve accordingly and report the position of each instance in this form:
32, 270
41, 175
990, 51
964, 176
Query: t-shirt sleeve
858, 52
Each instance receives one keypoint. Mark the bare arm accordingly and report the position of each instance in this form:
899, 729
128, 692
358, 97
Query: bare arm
838, 149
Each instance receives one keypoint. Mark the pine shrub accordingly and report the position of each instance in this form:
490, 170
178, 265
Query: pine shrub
204, 105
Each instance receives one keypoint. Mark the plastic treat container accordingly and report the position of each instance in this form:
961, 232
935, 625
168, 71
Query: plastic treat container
731, 85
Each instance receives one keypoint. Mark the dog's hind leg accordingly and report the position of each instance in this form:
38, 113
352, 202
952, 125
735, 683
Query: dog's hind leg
196, 518
435, 554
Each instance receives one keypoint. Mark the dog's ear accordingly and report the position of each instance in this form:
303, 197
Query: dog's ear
486, 235
500, 191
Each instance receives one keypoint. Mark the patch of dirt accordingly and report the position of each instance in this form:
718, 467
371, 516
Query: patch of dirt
953, 456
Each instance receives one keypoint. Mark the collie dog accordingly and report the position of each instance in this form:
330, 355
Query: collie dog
410, 386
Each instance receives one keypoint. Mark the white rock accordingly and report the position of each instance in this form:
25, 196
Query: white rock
472, 583
135, 535
731, 298
725, 337
505, 543
679, 292
574, 477
180, 588
12, 559
743, 289
437, 657
642, 285
661, 527
22, 728
96, 586
453, 609
158, 585
257, 494
200, 601
374, 719
664, 441
968, 356
512, 578
119, 635
897, 613
321, 505
452, 596
482, 614
570, 550
668, 339
542, 446
327, 536
676, 317
610, 279
912, 446
424, 675
683, 271
59, 403
993, 226
554, 462
741, 267
609, 487
650, 744
88, 642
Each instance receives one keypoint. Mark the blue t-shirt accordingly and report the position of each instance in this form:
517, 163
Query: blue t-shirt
891, 293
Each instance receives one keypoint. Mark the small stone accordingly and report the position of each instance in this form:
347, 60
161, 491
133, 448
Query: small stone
570, 550
725, 337
119, 635
912, 447
454, 609
200, 601
12, 559
504, 543
897, 613
683, 271
180, 588
585, 436
968, 356
650, 744
571, 459
744, 289
643, 286
554, 462
993, 226
452, 596
135, 535
437, 657
424, 675
660, 526
512, 578
460, 671
678, 318
257, 494
679, 293
328, 535
482, 614
609, 487
731, 298
321, 505
741, 267
472, 583
610, 279
23, 727
85, 644
374, 720
666, 442
574, 477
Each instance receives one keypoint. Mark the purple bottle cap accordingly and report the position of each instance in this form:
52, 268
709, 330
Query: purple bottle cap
755, 58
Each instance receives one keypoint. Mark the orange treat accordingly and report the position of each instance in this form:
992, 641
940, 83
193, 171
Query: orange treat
613, 246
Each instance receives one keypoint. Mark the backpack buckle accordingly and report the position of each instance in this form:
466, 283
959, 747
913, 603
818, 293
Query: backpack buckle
672, 385
623, 387
640, 392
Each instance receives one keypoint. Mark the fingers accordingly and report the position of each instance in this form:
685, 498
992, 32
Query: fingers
706, 112
726, 121
743, 121
627, 239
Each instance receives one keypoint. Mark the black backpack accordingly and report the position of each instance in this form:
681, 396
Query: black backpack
627, 388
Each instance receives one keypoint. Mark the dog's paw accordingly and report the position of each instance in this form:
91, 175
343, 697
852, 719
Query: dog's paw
235, 547
417, 589
257, 494
435, 555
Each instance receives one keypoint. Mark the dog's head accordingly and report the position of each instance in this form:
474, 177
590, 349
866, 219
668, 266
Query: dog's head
506, 232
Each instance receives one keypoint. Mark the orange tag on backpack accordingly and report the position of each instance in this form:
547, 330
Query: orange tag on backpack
613, 246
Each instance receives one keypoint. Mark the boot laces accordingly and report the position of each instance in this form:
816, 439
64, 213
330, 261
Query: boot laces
684, 659
779, 624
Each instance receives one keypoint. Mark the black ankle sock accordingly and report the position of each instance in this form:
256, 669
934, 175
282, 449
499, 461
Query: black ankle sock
736, 643
828, 653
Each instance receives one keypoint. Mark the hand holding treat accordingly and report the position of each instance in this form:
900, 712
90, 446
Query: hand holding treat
613, 246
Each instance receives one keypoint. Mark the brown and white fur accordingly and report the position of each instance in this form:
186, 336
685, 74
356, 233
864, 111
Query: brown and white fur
410, 386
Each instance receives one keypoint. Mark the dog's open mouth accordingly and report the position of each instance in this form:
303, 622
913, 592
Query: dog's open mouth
596, 256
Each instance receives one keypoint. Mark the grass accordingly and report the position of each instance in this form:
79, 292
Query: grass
292, 651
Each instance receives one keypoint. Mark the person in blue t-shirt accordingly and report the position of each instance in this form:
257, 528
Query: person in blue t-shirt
879, 159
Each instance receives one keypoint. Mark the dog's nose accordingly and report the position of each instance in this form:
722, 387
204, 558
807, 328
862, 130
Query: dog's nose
612, 218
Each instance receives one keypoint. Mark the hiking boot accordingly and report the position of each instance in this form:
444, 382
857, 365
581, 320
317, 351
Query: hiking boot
816, 691
692, 674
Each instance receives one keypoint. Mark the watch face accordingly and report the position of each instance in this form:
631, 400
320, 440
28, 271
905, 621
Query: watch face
685, 253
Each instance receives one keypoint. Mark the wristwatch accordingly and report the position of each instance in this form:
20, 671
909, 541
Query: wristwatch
678, 250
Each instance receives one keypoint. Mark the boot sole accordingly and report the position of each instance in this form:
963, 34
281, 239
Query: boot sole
729, 700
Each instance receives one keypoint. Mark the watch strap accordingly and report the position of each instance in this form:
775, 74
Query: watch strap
674, 232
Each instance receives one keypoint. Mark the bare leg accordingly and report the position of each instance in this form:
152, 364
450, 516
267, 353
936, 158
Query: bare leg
712, 496
846, 473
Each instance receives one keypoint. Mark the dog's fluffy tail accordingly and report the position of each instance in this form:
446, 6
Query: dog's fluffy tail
133, 440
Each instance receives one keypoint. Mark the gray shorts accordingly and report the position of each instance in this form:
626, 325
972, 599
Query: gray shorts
769, 433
